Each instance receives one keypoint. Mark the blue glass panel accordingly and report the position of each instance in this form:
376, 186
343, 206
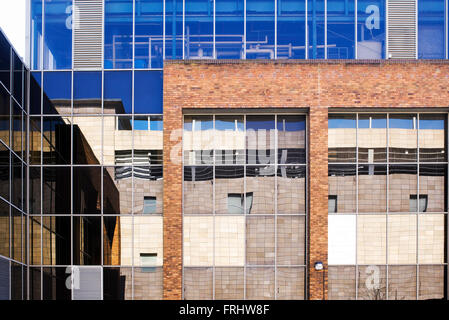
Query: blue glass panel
87, 86
118, 86
17, 78
173, 29
341, 122
118, 34
35, 93
340, 29
291, 29
58, 34
58, 85
229, 29
431, 29
36, 33
315, 21
141, 123
148, 92
199, 29
371, 29
260, 29
149, 34
156, 123
5, 61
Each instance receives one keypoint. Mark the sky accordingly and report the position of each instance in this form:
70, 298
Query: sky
12, 22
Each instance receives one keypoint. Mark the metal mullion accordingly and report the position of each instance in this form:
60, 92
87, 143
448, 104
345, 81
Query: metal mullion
445, 28
214, 54
387, 211
356, 204
244, 35
275, 201
306, 30
183, 27
134, 38
183, 215
306, 220
163, 31
213, 205
325, 28
244, 206
275, 39
417, 206
355, 28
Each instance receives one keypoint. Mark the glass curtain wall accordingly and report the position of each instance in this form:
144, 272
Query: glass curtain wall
387, 206
13, 173
244, 206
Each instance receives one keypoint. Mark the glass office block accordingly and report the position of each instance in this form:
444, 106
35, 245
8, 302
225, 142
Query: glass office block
371, 30
431, 29
260, 29
340, 29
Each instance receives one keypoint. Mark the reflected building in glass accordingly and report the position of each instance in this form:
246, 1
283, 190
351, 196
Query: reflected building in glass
218, 149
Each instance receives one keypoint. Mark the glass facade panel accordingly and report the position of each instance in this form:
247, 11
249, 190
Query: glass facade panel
148, 92
174, 29
260, 29
148, 34
87, 92
58, 89
57, 44
431, 29
198, 284
291, 29
340, 29
316, 29
117, 283
229, 29
118, 34
342, 138
117, 92
372, 138
371, 29
342, 187
36, 34
199, 29
432, 137
402, 136
372, 188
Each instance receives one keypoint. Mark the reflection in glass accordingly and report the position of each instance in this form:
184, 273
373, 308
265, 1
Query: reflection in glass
18, 76
58, 89
370, 29
18, 281
260, 283
229, 283
291, 33
86, 240
372, 138
54, 284
372, 282
148, 284
315, 18
17, 235
198, 186
173, 29
402, 186
229, 29
87, 92
260, 193
260, 139
260, 29
198, 33
340, 30
56, 244
198, 139
401, 282
148, 34
431, 29
58, 17
260, 243
372, 239
117, 92
402, 136
5, 61
148, 92
291, 186
372, 188
117, 283
17, 182
4, 229
148, 190
290, 283
431, 282
402, 237
117, 190
56, 142
229, 190
87, 140
432, 188
5, 116
35, 93
118, 34
87, 190
291, 139
35, 232
56, 183
432, 138
4, 172
342, 283
198, 284
291, 236
342, 186
229, 140
342, 138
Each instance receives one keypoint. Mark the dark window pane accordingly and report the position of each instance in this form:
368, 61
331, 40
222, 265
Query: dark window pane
17, 235
17, 130
35, 93
54, 283
17, 78
5, 115
56, 242
56, 141
56, 190
117, 92
4, 229
35, 191
17, 182
35, 284
17, 281
5, 61
58, 17
117, 283
370, 29
86, 190
86, 240
118, 34
148, 92
34, 236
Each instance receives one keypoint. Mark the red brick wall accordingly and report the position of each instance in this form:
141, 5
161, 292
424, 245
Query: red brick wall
261, 84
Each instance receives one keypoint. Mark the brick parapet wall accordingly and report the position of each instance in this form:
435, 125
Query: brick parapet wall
315, 86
